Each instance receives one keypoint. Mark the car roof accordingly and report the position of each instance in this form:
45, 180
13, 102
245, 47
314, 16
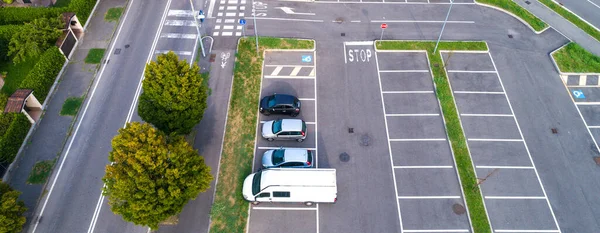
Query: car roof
295, 155
291, 125
284, 99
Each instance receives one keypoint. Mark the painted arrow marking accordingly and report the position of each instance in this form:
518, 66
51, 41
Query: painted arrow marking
290, 11
224, 57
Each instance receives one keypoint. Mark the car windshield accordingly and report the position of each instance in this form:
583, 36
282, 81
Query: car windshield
278, 156
256, 183
276, 126
271, 102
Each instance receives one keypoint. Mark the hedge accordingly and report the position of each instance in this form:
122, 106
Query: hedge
6, 32
21, 15
43, 74
82, 8
15, 133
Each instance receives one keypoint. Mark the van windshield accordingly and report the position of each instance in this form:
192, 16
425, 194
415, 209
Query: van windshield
256, 183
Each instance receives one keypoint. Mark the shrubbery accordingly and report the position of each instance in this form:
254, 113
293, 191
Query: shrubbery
6, 32
21, 15
13, 136
82, 8
43, 74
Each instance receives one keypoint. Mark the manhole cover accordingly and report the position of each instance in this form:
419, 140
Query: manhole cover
458, 209
527, 2
343, 34
510, 36
365, 140
117, 51
554, 130
127, 46
339, 20
344, 157
350, 130
212, 57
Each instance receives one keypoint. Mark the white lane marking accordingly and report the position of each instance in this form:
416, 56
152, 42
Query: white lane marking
295, 71
594, 127
179, 23
219, 20
480, 92
587, 103
527, 231
306, 99
382, 2
231, 8
241, 14
437, 230
582, 80
289, 66
422, 167
494, 140
422, 21
473, 71
211, 7
275, 148
219, 14
428, 197
525, 143
217, 27
355, 21
230, 14
221, 8
276, 70
227, 27
486, 115
307, 122
229, 20
226, 33
283, 208
407, 92
215, 33
238, 33
288, 19
387, 132
416, 114
178, 36
404, 71
181, 53
596, 5
181, 13
290, 77
505, 167
232, 2
358, 43
242, 8
516, 197
416, 139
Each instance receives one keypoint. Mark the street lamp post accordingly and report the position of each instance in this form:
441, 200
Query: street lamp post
444, 26
198, 30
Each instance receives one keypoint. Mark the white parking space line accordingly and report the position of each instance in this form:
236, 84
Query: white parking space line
505, 167
186, 23
428, 197
275, 148
423, 21
487, 115
307, 122
181, 53
422, 167
288, 19
494, 140
594, 126
480, 92
596, 5
438, 230
404, 71
407, 92
291, 77
276, 70
295, 71
178, 36
473, 71
527, 231
587, 103
283, 208
416, 139
424, 114
306, 99
516, 197
302, 66
358, 43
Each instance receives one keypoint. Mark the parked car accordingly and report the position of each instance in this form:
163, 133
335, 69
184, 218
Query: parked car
284, 129
298, 158
280, 104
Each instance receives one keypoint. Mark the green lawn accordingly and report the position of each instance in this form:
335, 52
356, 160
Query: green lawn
71, 106
512, 7
16, 73
573, 18
40, 172
62, 3
455, 132
229, 212
575, 59
94, 56
113, 14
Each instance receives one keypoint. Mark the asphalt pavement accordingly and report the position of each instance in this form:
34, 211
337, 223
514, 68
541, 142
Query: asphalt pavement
585, 9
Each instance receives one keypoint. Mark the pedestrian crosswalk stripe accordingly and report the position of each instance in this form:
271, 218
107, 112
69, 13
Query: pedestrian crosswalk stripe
178, 36
189, 23
181, 13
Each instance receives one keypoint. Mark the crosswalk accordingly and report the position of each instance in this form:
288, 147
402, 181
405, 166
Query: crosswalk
228, 16
179, 32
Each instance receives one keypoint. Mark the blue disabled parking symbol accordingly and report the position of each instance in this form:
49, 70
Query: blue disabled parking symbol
578, 94
306, 58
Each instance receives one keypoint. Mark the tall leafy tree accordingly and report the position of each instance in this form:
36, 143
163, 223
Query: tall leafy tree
11, 210
174, 97
152, 175
34, 38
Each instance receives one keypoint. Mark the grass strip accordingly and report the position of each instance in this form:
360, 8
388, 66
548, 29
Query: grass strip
573, 58
512, 7
113, 14
467, 175
94, 56
587, 28
15, 73
41, 171
71, 106
229, 212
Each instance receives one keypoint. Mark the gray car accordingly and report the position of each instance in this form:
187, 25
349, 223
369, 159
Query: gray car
299, 158
284, 129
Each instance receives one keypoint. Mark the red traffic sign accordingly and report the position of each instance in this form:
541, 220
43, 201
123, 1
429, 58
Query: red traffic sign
383, 25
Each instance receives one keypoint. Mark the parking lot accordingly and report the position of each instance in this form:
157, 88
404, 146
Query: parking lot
293, 73
585, 92
514, 196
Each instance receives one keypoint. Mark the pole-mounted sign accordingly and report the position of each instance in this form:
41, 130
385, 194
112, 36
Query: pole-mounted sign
383, 27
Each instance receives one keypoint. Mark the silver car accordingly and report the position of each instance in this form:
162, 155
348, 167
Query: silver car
300, 158
284, 129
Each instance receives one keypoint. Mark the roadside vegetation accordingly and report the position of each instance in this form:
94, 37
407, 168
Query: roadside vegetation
462, 157
573, 58
230, 211
41, 171
113, 14
94, 56
589, 29
71, 106
11, 210
512, 7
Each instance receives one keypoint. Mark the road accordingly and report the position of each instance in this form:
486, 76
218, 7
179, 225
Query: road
585, 9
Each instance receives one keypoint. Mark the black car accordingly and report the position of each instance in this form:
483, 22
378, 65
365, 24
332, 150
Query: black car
280, 104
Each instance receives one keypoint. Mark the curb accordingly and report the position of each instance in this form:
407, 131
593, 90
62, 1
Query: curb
560, 72
564, 8
517, 17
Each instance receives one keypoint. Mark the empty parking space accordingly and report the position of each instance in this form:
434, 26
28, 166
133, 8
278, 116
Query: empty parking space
427, 183
514, 195
291, 73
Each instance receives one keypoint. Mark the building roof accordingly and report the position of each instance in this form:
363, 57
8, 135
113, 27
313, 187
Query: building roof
17, 100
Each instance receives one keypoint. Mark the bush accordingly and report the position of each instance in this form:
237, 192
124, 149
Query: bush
6, 32
42, 76
21, 15
3, 101
82, 8
11, 140
11, 210
8, 1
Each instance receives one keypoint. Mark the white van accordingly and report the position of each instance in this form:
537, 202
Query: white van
306, 185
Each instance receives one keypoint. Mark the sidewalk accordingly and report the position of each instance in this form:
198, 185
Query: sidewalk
563, 26
49, 137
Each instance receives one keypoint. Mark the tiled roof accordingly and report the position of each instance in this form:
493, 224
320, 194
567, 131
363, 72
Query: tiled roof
17, 100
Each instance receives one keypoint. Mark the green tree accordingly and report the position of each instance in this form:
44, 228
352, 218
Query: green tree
11, 210
152, 175
34, 38
174, 96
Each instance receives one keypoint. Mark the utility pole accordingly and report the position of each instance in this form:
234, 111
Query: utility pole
444, 26
198, 30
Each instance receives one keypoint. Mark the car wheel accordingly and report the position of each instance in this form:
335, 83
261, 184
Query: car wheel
270, 139
255, 203
300, 140
308, 203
